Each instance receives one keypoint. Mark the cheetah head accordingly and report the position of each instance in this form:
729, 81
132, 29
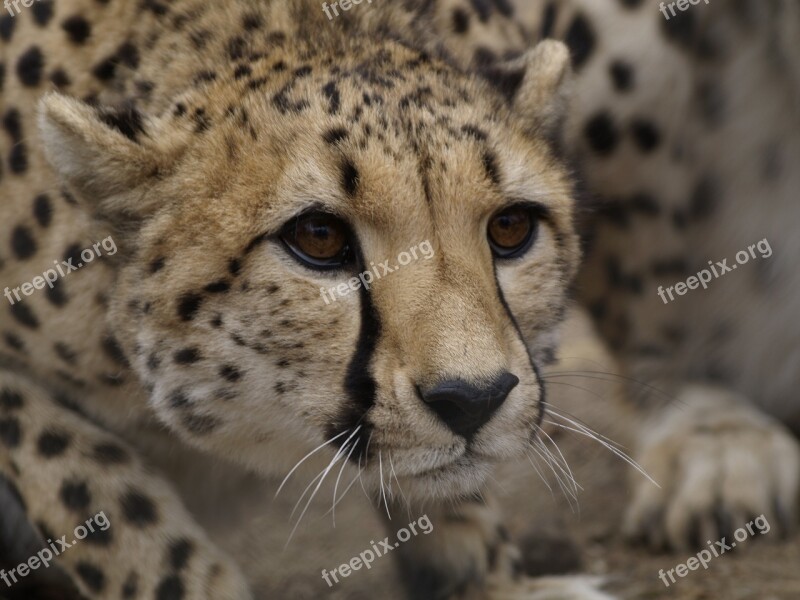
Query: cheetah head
246, 211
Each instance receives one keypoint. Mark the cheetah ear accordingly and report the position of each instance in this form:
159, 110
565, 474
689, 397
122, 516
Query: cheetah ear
537, 85
107, 156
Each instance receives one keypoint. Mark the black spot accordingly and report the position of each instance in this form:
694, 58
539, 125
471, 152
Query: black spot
188, 305
43, 210
75, 495
460, 21
107, 453
93, 577
187, 356
157, 264
350, 177
646, 204
56, 295
12, 123
230, 373
581, 40
170, 588
13, 341
548, 21
200, 424
138, 510
65, 353
179, 399
199, 39
483, 8
201, 119
680, 29
615, 211
10, 399
483, 57
251, 21
646, 135
602, 134
59, 78
18, 158
474, 131
105, 69
622, 76
130, 587
126, 119
10, 432
30, 66
42, 12
157, 8
489, 161
24, 315
505, 81
53, 443
332, 94
114, 351
7, 23
78, 29
179, 554
236, 47
705, 198
218, 287
144, 87
242, 71
99, 537
332, 136
2, 82
504, 7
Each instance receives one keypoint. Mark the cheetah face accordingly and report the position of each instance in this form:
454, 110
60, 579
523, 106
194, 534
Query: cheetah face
240, 249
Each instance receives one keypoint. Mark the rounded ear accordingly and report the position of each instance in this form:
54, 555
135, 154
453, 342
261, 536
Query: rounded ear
537, 86
107, 156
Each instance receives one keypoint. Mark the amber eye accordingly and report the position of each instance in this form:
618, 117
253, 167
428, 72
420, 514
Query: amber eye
512, 231
318, 239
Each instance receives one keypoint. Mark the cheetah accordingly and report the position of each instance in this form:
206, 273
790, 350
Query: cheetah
234, 155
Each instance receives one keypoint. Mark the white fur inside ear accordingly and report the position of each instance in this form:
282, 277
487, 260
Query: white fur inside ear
94, 158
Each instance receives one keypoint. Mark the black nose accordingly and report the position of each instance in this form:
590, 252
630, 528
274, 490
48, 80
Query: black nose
466, 407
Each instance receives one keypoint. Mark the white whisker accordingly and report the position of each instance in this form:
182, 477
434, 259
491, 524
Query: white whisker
302, 460
333, 462
568, 494
616, 451
336, 487
383, 491
563, 460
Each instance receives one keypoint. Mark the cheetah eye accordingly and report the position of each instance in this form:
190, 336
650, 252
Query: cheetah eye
512, 231
319, 240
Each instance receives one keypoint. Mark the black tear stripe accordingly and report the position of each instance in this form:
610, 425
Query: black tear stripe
359, 383
534, 366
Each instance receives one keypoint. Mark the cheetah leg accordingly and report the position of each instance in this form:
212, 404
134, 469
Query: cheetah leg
116, 529
468, 555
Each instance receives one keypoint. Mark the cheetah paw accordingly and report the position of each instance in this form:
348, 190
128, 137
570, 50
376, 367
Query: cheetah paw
720, 465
